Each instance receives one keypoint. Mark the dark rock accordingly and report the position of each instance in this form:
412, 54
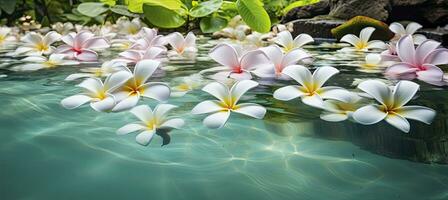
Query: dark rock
356, 24
429, 13
438, 34
317, 28
305, 12
347, 9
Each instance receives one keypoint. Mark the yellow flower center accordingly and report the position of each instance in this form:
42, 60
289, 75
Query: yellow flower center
2, 39
50, 64
41, 47
152, 124
229, 104
361, 45
183, 87
133, 89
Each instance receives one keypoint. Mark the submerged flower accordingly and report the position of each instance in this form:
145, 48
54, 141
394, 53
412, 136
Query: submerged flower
182, 46
362, 42
236, 65
336, 111
35, 44
98, 94
227, 102
280, 61
410, 29
187, 84
392, 108
151, 122
374, 63
419, 62
41, 62
106, 69
129, 93
311, 89
82, 46
285, 40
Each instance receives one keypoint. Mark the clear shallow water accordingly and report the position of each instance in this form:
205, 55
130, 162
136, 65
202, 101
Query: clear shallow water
47, 152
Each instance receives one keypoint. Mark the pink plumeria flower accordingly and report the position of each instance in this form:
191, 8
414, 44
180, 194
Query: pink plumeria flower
410, 29
392, 107
237, 65
34, 44
362, 43
149, 38
280, 61
390, 54
82, 46
182, 46
227, 103
134, 56
285, 40
419, 62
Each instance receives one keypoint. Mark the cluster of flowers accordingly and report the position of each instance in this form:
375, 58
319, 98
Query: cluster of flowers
284, 60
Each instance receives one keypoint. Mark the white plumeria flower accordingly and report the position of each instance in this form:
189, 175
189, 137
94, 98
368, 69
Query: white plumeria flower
151, 122
129, 93
188, 84
149, 38
392, 108
106, 69
182, 46
134, 56
235, 33
374, 63
362, 42
98, 94
5, 36
285, 40
336, 111
127, 27
280, 61
41, 62
63, 28
35, 44
410, 29
237, 65
227, 102
311, 89
256, 40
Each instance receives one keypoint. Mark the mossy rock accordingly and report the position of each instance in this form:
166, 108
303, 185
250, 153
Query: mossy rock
356, 24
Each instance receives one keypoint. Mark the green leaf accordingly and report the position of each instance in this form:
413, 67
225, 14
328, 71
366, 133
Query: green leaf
8, 5
92, 9
298, 4
136, 6
109, 2
228, 5
205, 8
212, 24
254, 15
123, 10
162, 17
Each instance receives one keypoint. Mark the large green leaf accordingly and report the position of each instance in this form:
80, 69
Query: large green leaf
205, 8
136, 6
298, 4
162, 17
109, 2
123, 10
212, 24
92, 9
254, 15
8, 5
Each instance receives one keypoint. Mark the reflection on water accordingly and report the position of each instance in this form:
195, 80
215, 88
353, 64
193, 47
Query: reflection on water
47, 152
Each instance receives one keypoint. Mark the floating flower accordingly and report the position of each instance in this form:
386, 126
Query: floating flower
237, 66
5, 36
390, 54
374, 63
129, 28
82, 46
106, 69
63, 28
227, 103
392, 108
362, 42
182, 46
410, 29
41, 62
151, 122
336, 111
285, 40
280, 61
98, 94
35, 44
419, 62
310, 89
149, 38
187, 84
134, 56
129, 93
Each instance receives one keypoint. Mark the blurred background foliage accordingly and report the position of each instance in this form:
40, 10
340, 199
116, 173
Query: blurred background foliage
207, 15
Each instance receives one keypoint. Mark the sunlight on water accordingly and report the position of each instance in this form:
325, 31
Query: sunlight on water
47, 151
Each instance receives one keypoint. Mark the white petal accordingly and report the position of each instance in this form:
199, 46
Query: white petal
288, 93
129, 128
437, 57
378, 90
351, 39
173, 123
284, 39
398, 122
366, 33
406, 50
294, 56
157, 91
424, 49
144, 69
72, 77
419, 113
274, 53
302, 40
403, 92
299, 73
376, 44
335, 93
143, 113
218, 90
322, 74
252, 59
93, 85
397, 28
161, 111
369, 114
373, 59
217, 120
313, 100
176, 40
116, 80
31, 67
225, 55
241, 76
190, 40
413, 27
75, 101
35, 59
126, 103
145, 137
251, 109
241, 87
104, 105
51, 37
333, 117
207, 107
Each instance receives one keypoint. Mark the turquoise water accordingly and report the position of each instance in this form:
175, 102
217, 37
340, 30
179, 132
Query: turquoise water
48, 152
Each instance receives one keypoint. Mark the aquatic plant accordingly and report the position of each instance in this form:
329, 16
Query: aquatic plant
419, 62
41, 62
392, 107
35, 44
362, 42
227, 103
285, 40
151, 122
81, 46
310, 88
